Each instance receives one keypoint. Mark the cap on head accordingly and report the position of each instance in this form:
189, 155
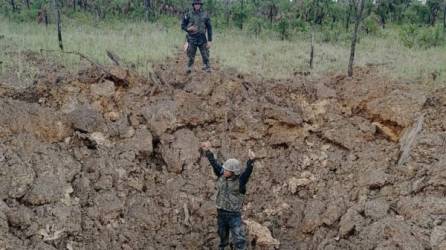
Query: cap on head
232, 165
197, 2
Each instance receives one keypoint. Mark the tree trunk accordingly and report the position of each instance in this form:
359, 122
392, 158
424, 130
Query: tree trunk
312, 49
347, 21
74, 5
45, 16
227, 11
98, 14
14, 7
358, 11
333, 21
27, 4
147, 9
444, 17
59, 27
241, 14
433, 18
271, 14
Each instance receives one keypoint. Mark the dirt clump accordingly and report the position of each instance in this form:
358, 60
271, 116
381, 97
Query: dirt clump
110, 160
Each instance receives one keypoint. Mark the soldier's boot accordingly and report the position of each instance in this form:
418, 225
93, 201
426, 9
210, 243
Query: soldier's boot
207, 68
190, 63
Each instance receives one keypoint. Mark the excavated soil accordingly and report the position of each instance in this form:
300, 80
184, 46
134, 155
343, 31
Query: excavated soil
106, 159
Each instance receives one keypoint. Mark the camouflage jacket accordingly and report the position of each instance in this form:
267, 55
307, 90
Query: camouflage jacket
202, 21
230, 191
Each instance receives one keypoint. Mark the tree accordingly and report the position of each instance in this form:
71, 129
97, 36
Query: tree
358, 6
434, 9
58, 25
382, 10
240, 14
227, 14
147, 9
444, 15
13, 5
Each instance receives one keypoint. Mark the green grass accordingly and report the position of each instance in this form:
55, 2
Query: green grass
280, 59
139, 44
143, 44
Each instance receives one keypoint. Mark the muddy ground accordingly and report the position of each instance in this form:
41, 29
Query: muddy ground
107, 159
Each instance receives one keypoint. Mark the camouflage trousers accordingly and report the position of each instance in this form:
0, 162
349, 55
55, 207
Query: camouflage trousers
192, 50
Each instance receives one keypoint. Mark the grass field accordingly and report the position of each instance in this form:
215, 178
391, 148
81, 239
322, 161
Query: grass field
143, 44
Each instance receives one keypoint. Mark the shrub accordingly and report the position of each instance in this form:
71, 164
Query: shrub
283, 27
422, 37
256, 25
408, 35
430, 37
371, 24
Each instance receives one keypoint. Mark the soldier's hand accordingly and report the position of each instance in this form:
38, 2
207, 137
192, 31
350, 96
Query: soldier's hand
208, 45
251, 155
192, 29
206, 145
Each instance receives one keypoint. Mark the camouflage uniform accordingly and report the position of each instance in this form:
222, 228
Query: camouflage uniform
230, 196
198, 39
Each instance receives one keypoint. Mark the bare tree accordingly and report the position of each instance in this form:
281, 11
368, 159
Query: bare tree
13, 5
444, 15
358, 7
312, 48
59, 27
242, 13
227, 11
147, 9
347, 20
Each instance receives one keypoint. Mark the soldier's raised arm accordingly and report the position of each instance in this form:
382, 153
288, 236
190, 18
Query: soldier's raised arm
216, 166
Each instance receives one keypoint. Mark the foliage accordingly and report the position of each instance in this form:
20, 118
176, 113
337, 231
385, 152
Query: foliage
371, 24
283, 28
408, 35
431, 37
284, 18
422, 37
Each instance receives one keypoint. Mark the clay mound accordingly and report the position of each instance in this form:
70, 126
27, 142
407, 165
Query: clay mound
106, 159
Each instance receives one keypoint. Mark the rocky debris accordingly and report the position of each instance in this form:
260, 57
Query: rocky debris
86, 119
346, 133
438, 237
376, 209
391, 233
295, 183
140, 141
99, 139
350, 222
282, 115
180, 150
399, 106
374, 178
313, 216
102, 160
119, 75
333, 212
160, 116
387, 131
20, 117
261, 235
105, 89
16, 177
323, 91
